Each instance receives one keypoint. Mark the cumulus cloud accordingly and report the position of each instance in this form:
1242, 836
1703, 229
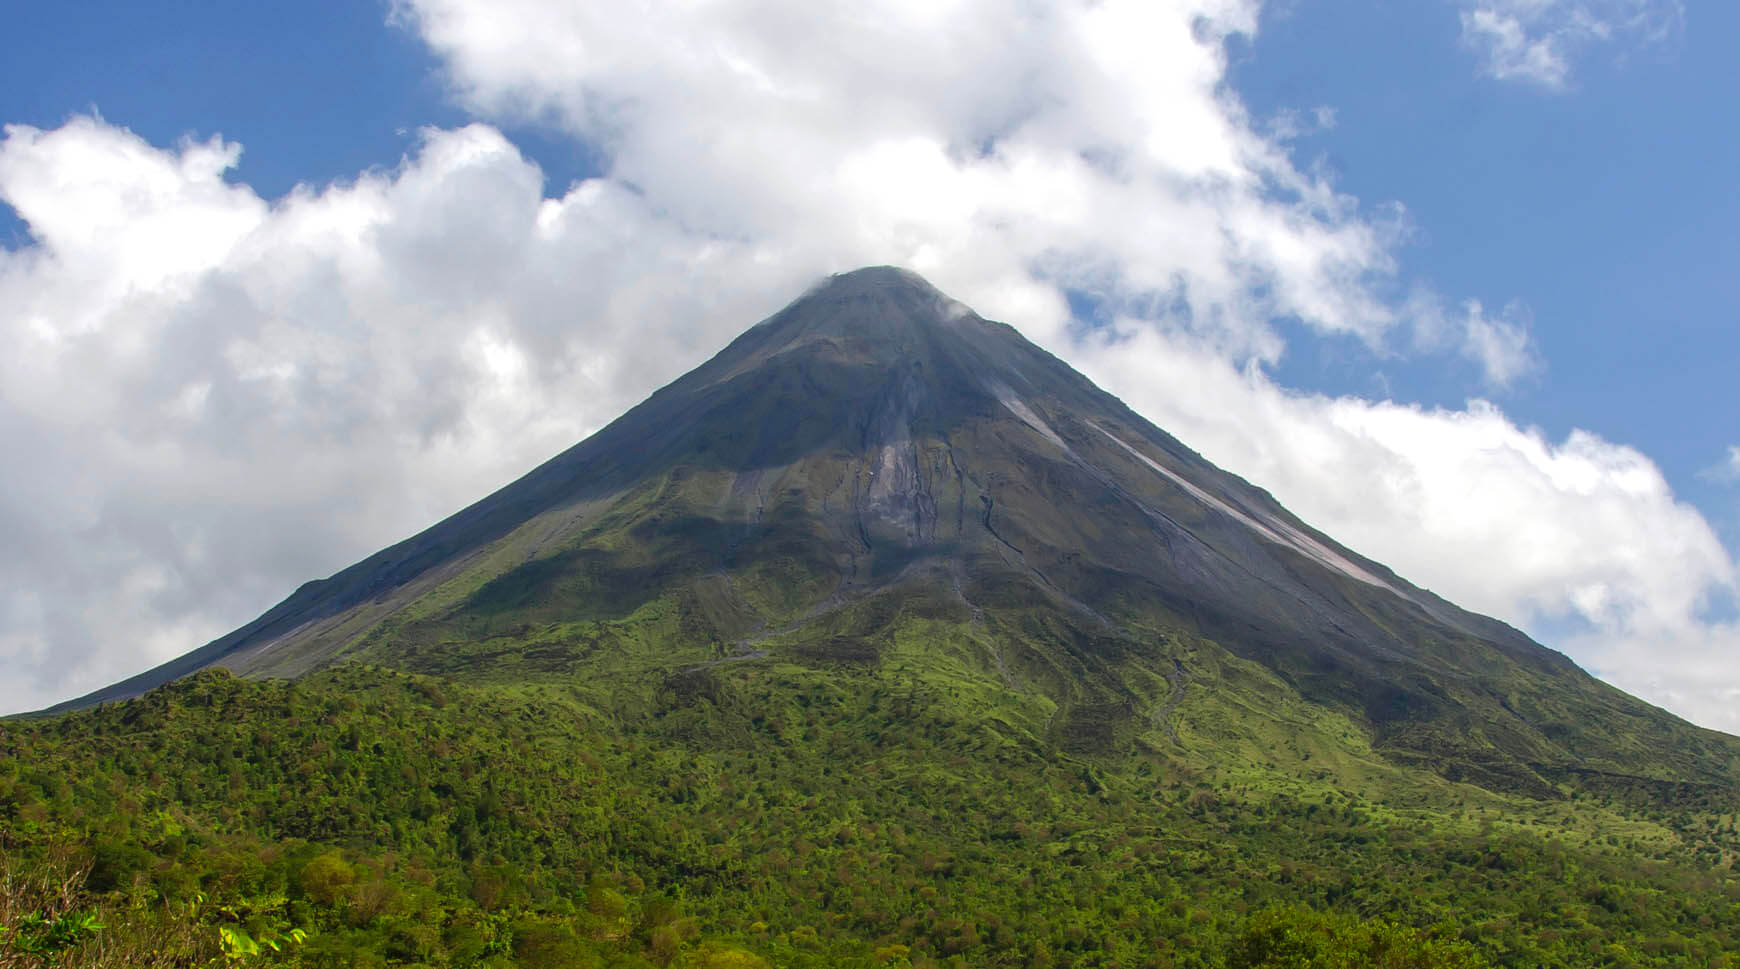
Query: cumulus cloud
210, 399
1576, 533
221, 396
977, 140
1538, 41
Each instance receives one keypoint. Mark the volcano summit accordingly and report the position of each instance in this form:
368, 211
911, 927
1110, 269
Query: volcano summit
876, 479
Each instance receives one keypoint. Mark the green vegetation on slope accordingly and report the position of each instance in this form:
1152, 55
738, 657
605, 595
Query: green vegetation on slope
768, 813
872, 459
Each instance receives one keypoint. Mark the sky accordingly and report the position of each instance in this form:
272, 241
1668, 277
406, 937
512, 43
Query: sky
283, 284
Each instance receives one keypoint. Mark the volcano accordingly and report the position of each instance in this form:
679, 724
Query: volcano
876, 479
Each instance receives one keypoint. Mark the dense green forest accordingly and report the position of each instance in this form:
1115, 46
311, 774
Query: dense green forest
769, 815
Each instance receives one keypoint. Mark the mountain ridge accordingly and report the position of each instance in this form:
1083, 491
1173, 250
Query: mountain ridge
876, 456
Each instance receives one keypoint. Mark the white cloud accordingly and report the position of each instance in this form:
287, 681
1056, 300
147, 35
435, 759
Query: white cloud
222, 397
1545, 534
1688, 668
209, 400
1538, 41
974, 140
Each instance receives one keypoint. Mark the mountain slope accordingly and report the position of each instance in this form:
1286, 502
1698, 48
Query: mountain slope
877, 478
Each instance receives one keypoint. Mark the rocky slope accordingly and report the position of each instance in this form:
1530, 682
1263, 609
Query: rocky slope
877, 478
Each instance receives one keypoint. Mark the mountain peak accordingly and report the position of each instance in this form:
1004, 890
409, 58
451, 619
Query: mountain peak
876, 470
873, 279
889, 292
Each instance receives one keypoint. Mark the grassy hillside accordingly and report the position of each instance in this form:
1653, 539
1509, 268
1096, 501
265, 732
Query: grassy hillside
807, 816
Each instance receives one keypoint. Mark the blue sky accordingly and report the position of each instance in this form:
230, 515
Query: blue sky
316, 91
1604, 207
1453, 278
